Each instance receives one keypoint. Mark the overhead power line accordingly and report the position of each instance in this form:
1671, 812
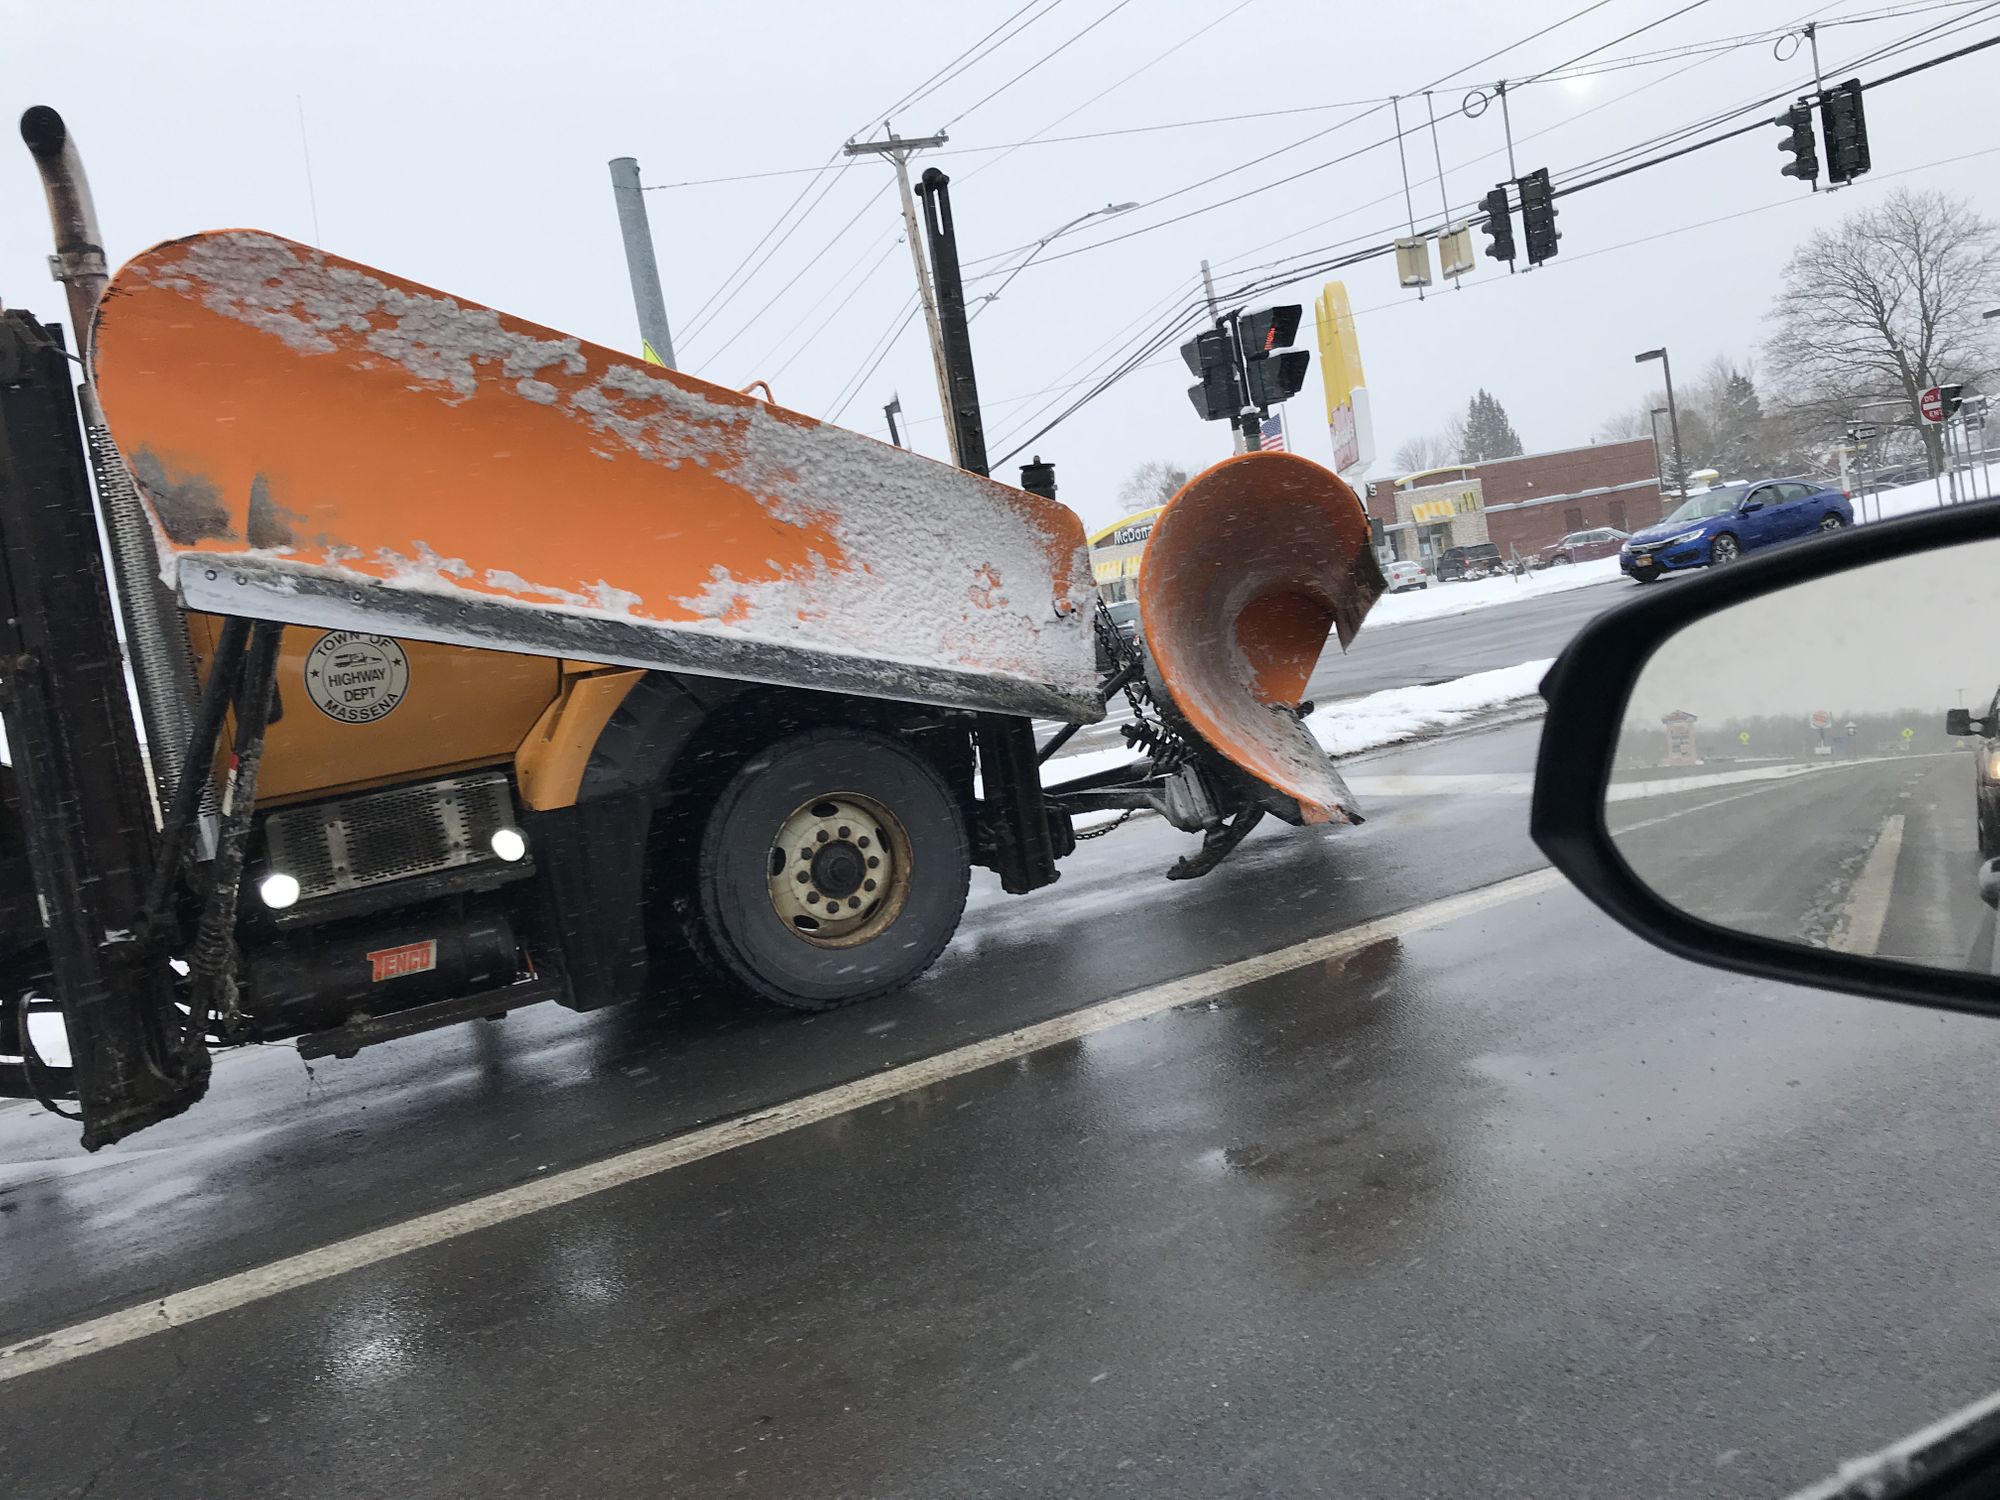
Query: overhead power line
853, 386
938, 79
711, 356
1152, 343
1038, 62
1041, 136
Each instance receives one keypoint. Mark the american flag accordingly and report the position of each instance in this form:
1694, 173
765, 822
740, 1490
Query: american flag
1271, 433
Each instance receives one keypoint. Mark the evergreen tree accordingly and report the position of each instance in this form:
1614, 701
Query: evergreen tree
1488, 433
1736, 428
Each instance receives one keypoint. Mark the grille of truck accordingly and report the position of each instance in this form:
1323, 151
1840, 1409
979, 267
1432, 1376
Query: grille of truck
377, 837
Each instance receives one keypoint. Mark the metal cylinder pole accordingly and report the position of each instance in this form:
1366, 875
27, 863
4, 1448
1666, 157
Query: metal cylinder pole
657, 340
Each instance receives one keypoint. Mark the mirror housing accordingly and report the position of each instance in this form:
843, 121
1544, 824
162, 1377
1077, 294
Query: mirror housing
1587, 691
1989, 883
1959, 721
1747, 506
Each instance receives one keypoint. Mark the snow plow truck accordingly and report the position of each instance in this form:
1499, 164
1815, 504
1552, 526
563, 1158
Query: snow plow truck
372, 661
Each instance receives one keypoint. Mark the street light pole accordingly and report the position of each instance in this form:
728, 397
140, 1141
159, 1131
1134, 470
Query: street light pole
1653, 417
1043, 244
1673, 412
656, 339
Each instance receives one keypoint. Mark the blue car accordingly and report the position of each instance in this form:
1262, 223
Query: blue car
1720, 525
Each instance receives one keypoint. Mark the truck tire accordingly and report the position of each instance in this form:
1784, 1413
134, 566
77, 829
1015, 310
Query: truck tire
832, 868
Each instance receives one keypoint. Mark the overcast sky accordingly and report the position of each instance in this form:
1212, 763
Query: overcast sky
1904, 634
464, 145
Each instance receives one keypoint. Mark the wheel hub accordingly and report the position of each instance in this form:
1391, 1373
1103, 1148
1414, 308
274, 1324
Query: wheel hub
839, 870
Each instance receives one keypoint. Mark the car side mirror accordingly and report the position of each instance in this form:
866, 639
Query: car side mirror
1792, 813
1748, 506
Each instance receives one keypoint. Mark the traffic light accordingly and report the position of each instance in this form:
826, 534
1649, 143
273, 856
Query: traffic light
1538, 216
1213, 362
1798, 139
1846, 127
1272, 371
1499, 224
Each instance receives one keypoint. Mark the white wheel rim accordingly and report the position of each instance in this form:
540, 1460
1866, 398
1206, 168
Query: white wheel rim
839, 870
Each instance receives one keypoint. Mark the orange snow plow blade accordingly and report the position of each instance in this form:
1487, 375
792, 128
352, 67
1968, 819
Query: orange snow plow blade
1247, 572
329, 445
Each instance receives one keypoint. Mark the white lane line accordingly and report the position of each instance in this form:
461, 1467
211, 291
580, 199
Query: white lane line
1681, 812
1860, 927
179, 1309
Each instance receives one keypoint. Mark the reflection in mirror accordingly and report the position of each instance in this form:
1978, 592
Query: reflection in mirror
1821, 765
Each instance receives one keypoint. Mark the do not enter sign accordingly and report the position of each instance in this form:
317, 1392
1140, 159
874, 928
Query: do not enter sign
1930, 405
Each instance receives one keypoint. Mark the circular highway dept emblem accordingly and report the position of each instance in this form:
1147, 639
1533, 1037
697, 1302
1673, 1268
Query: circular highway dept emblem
357, 679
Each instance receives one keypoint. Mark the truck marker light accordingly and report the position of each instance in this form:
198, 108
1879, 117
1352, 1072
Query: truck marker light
510, 844
279, 890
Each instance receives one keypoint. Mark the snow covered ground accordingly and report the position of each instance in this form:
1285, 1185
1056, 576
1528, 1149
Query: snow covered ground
1356, 724
1461, 598
1910, 498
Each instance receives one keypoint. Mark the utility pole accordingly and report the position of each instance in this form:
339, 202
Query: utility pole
1237, 443
899, 151
656, 340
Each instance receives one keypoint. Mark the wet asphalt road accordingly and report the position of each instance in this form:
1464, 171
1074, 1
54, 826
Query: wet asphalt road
1507, 1204
1813, 836
1457, 645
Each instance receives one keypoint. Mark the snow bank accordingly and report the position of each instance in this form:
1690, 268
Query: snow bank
1442, 599
1383, 718
1908, 499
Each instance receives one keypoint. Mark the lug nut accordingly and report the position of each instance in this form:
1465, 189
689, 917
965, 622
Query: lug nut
844, 832
812, 898
863, 841
804, 877
854, 903
867, 885
821, 835
873, 862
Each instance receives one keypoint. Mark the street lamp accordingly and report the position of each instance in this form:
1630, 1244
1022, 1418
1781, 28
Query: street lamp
1653, 417
1043, 243
1673, 412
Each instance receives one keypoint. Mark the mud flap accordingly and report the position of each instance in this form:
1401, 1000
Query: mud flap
1248, 571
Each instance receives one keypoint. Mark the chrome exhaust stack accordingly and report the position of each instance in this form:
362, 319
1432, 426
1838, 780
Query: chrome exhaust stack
157, 648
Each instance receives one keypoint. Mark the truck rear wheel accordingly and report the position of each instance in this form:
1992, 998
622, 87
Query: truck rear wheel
832, 868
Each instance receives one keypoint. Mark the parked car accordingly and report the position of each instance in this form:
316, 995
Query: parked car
1719, 525
1475, 560
1404, 576
1125, 615
1582, 546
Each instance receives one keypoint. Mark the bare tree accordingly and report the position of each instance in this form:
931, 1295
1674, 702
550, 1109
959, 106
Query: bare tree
1433, 450
1633, 422
1151, 483
1884, 307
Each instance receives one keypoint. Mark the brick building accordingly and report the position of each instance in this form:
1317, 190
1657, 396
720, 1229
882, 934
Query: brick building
1522, 504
